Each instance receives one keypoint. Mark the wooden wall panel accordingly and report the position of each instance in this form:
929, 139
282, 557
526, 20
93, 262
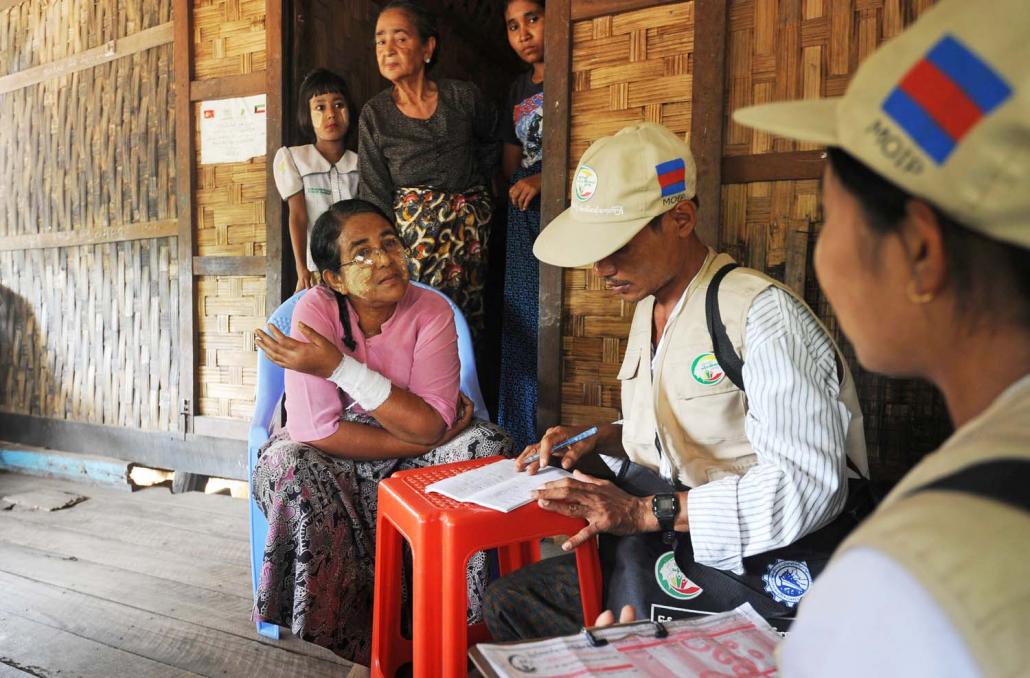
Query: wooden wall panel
631, 67
337, 36
228, 38
71, 164
776, 50
782, 50
772, 226
36, 33
88, 302
229, 308
230, 209
90, 333
626, 68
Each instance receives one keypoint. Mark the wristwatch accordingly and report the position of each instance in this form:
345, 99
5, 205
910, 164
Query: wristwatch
666, 507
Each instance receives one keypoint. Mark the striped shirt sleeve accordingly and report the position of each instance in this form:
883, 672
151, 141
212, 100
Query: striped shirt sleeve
797, 426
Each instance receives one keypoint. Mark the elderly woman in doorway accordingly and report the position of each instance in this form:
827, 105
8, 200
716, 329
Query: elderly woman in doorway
371, 388
427, 150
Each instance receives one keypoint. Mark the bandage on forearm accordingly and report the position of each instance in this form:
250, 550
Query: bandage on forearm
365, 386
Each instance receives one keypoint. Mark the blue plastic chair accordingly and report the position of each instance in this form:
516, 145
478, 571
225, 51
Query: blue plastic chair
270, 387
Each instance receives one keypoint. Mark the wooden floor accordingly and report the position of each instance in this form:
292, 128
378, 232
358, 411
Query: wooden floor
135, 584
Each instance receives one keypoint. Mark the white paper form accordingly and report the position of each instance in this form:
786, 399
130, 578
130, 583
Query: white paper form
497, 486
232, 130
737, 643
568, 656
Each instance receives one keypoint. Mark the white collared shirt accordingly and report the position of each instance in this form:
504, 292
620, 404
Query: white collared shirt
797, 426
304, 168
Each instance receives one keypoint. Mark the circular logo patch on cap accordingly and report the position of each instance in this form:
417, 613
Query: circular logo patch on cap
585, 183
672, 580
705, 370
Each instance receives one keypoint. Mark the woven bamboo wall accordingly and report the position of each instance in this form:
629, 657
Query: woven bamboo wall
228, 37
625, 68
772, 226
229, 199
228, 310
89, 333
810, 49
776, 49
87, 330
781, 50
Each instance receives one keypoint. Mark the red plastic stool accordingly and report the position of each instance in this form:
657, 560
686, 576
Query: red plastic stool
443, 535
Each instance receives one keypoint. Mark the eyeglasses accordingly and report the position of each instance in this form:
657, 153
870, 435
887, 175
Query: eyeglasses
366, 256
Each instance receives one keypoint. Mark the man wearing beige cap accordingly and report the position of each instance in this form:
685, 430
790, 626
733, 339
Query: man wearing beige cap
925, 257
738, 414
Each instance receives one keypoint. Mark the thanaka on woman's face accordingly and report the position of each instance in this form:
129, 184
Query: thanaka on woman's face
330, 118
369, 237
525, 24
400, 51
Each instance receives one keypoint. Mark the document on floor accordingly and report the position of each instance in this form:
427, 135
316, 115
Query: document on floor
734, 643
496, 486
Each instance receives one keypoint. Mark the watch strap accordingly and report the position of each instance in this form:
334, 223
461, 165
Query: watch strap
666, 519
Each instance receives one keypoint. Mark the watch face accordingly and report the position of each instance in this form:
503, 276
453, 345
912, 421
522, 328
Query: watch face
665, 503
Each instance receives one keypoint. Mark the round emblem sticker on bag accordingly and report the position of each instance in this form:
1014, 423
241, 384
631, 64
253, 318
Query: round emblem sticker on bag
705, 370
672, 580
585, 183
787, 581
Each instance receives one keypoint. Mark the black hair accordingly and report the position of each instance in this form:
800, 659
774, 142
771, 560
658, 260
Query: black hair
325, 248
986, 273
542, 3
656, 223
317, 82
425, 23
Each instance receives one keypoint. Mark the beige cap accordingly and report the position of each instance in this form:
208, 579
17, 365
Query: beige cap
621, 183
942, 110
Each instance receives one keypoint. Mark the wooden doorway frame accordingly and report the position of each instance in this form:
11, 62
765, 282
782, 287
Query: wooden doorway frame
706, 141
188, 92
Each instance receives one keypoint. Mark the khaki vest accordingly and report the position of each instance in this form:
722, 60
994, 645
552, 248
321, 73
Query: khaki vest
698, 417
971, 554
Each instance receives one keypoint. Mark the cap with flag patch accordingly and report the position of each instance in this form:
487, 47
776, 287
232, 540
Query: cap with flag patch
621, 183
942, 110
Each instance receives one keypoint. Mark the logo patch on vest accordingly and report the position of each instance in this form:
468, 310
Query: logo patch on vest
705, 370
787, 581
585, 183
672, 580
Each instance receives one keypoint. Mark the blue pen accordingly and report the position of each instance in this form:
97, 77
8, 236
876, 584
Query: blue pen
568, 441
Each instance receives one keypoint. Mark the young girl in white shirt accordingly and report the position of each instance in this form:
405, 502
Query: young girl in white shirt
312, 177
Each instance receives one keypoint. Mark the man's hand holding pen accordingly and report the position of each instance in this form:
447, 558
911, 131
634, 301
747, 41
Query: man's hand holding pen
559, 442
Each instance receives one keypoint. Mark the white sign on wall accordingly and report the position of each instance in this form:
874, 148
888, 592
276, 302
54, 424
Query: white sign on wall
232, 130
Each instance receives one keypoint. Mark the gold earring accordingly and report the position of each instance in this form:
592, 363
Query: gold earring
918, 297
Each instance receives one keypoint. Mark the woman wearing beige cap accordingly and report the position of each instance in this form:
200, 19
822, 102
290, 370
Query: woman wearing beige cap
925, 258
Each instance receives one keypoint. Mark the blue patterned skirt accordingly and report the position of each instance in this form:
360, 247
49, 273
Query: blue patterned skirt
518, 391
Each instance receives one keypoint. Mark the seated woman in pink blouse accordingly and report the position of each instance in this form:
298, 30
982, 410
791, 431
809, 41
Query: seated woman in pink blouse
371, 388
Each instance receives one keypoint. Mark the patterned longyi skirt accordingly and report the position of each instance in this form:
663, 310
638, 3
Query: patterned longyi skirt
446, 235
319, 561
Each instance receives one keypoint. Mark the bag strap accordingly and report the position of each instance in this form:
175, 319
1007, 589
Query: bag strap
730, 362
725, 354
1001, 480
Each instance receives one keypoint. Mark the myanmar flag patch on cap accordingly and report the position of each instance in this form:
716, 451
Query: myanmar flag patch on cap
944, 96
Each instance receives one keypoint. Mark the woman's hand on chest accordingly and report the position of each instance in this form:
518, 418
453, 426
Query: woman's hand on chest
317, 356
